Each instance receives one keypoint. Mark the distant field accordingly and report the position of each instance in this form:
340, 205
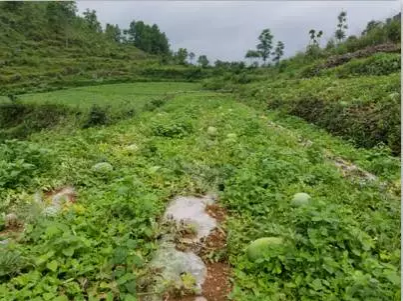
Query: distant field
136, 94
84, 106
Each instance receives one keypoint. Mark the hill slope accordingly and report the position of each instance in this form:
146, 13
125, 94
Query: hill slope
46, 45
351, 89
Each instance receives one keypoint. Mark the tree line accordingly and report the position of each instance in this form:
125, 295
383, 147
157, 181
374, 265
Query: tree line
59, 20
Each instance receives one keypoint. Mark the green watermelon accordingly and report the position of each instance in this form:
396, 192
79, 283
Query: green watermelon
132, 148
102, 168
212, 131
257, 248
300, 199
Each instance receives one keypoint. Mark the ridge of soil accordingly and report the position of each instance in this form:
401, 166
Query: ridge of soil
217, 285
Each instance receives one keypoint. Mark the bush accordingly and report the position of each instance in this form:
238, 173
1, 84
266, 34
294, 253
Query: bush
18, 120
154, 104
172, 128
96, 116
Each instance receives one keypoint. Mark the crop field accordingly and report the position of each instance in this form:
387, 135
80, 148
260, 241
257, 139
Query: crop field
116, 95
344, 244
134, 169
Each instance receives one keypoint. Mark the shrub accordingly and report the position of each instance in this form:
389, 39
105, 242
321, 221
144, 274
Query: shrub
19, 120
172, 128
97, 116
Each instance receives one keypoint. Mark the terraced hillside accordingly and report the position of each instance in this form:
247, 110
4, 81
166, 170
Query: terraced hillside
133, 181
47, 46
344, 244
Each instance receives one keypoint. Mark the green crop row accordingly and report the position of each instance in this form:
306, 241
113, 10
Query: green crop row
345, 245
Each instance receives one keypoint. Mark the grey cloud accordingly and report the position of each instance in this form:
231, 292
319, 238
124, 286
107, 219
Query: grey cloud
227, 29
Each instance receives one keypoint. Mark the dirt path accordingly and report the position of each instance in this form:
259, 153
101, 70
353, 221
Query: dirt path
211, 249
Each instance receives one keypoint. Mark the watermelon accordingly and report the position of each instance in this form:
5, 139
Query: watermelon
260, 246
231, 136
102, 168
132, 148
212, 131
300, 199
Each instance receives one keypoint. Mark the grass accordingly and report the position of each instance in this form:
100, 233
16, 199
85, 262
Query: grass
344, 246
133, 94
82, 107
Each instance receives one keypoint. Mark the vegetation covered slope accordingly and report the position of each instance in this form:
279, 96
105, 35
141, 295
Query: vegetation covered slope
82, 107
344, 246
355, 95
47, 45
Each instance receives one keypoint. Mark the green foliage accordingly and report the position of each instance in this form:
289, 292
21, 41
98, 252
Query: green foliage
97, 116
340, 33
278, 52
364, 110
21, 162
176, 128
378, 64
266, 44
346, 245
113, 32
47, 46
11, 262
203, 61
147, 38
86, 107
181, 56
19, 120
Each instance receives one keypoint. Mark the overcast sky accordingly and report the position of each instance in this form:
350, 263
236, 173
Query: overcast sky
227, 29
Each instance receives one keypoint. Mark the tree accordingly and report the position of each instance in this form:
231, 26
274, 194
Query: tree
219, 64
113, 33
60, 17
159, 41
252, 54
191, 56
340, 33
147, 38
181, 56
278, 52
315, 36
203, 61
371, 25
330, 44
90, 16
265, 46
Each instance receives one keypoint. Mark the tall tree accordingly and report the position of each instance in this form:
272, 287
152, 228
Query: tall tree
147, 38
252, 55
159, 41
371, 25
203, 61
315, 36
113, 33
278, 52
340, 33
266, 44
60, 17
191, 56
181, 56
90, 16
